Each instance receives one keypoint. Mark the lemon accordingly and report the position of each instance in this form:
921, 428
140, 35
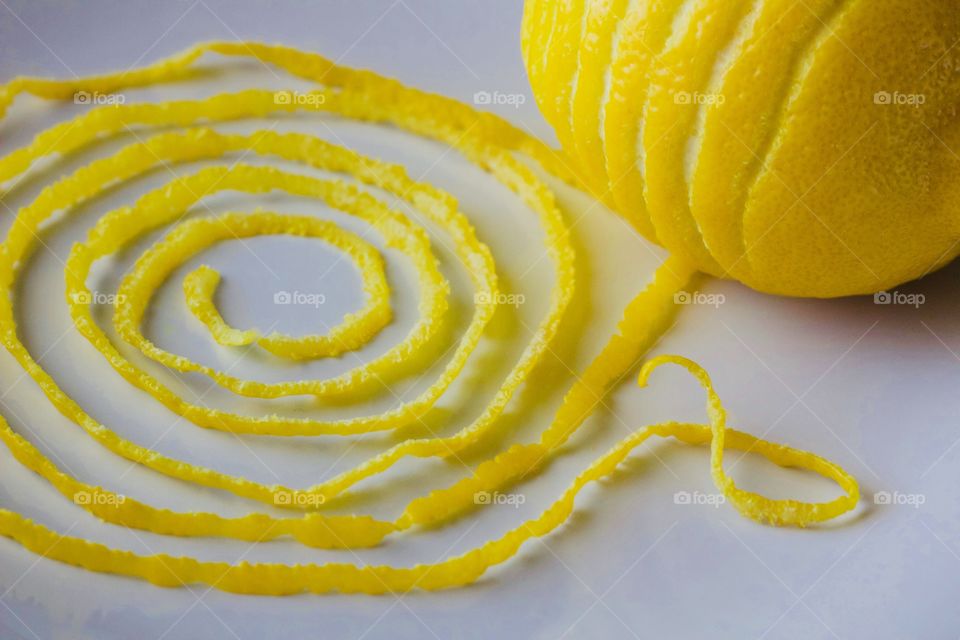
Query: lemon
802, 148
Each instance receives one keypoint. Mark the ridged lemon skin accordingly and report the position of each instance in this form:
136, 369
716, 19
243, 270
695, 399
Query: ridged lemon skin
803, 148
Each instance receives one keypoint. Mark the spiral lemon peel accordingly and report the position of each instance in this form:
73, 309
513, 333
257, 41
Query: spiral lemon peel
200, 285
192, 236
486, 140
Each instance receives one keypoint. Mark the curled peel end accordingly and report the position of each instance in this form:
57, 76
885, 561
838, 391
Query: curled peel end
757, 507
695, 369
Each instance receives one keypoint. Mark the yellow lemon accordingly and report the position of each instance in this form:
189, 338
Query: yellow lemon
803, 148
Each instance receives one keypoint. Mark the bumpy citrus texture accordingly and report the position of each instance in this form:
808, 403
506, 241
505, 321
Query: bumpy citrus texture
803, 148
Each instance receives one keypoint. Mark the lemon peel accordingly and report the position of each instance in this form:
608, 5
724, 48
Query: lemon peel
200, 285
492, 144
277, 579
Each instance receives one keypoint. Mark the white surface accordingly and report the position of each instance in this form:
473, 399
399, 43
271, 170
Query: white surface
871, 387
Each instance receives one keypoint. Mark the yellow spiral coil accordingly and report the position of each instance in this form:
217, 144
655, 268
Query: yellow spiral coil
490, 143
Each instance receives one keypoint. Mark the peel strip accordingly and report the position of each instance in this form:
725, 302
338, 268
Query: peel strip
357, 328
